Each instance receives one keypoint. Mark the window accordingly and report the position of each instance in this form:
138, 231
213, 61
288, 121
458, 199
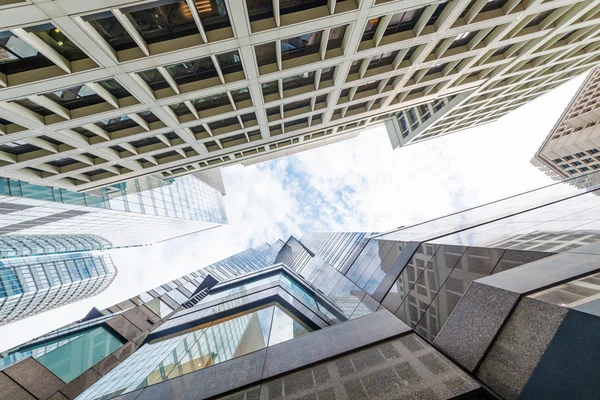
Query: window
292, 82
593, 151
382, 59
336, 36
230, 62
192, 71
580, 154
260, 9
111, 30
299, 46
403, 21
568, 158
265, 54
355, 66
370, 29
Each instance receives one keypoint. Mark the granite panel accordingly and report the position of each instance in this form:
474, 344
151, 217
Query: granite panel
384, 371
520, 345
108, 363
252, 393
476, 320
80, 384
57, 396
123, 327
329, 342
138, 318
569, 367
543, 273
11, 390
208, 382
34, 377
125, 351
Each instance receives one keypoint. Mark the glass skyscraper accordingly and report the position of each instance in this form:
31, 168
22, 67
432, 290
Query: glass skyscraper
30, 285
497, 301
141, 211
49, 237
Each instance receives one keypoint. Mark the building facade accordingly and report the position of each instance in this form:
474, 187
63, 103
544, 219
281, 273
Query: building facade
572, 147
93, 94
448, 308
33, 284
41, 270
132, 213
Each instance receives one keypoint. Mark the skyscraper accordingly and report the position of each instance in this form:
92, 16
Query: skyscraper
445, 309
120, 214
93, 94
33, 284
572, 148
40, 269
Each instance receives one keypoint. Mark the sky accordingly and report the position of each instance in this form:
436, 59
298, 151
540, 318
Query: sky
359, 184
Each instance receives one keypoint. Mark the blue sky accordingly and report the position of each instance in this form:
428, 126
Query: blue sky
357, 185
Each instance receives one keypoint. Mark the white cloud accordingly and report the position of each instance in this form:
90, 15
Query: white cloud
359, 184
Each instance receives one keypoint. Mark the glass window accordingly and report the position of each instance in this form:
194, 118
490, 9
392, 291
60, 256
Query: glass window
70, 356
299, 46
159, 307
209, 344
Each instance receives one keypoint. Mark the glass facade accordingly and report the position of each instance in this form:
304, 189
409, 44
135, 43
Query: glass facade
30, 285
207, 345
119, 214
69, 356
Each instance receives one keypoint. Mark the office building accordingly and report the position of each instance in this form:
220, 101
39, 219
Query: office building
572, 147
94, 93
41, 269
442, 309
137, 212
33, 284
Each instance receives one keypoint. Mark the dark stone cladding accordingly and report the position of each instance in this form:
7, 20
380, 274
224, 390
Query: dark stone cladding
405, 367
29, 379
280, 359
569, 367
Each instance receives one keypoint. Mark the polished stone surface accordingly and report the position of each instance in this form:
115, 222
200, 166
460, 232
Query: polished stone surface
331, 341
471, 329
401, 368
123, 327
520, 345
569, 367
34, 377
10, 390
79, 384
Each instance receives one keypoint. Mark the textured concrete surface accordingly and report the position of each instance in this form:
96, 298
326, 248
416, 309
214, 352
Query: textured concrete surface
520, 345
471, 329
